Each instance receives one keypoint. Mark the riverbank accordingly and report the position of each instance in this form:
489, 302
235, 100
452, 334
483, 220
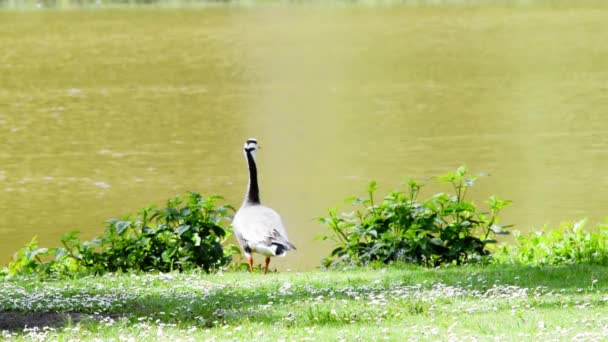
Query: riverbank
395, 303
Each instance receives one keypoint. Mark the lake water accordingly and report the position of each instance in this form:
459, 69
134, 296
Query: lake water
105, 112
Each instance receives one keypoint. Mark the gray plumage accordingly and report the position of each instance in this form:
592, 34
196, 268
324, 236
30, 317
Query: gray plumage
261, 229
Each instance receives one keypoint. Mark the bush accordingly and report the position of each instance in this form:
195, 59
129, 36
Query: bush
186, 234
566, 245
444, 228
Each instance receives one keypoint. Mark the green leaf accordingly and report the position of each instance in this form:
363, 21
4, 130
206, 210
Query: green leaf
436, 241
36, 252
182, 229
121, 226
185, 212
166, 256
218, 231
498, 230
337, 251
461, 171
470, 181
321, 237
373, 186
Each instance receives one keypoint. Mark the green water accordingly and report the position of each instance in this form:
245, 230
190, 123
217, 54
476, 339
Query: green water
104, 112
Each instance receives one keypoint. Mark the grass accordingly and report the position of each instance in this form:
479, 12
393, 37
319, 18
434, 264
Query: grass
395, 303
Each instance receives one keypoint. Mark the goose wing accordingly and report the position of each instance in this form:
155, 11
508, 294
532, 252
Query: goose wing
260, 225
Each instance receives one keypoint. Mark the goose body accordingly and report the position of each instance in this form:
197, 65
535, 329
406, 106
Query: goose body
258, 228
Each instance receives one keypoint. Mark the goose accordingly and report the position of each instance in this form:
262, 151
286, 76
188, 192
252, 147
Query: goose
258, 228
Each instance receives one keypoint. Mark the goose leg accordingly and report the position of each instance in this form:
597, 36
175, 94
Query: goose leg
250, 262
267, 263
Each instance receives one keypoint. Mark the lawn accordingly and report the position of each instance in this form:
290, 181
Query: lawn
395, 303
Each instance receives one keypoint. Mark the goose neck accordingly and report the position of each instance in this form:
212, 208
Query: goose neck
253, 191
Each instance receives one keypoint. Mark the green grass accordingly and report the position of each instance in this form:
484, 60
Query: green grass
370, 304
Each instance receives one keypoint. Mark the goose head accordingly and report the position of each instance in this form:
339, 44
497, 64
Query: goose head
251, 146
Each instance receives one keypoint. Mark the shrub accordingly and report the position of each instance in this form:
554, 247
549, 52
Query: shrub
33, 259
444, 228
568, 244
186, 234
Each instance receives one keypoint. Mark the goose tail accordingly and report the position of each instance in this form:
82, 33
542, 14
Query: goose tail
282, 248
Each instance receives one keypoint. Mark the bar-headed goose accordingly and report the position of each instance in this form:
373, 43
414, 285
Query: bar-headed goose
258, 228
